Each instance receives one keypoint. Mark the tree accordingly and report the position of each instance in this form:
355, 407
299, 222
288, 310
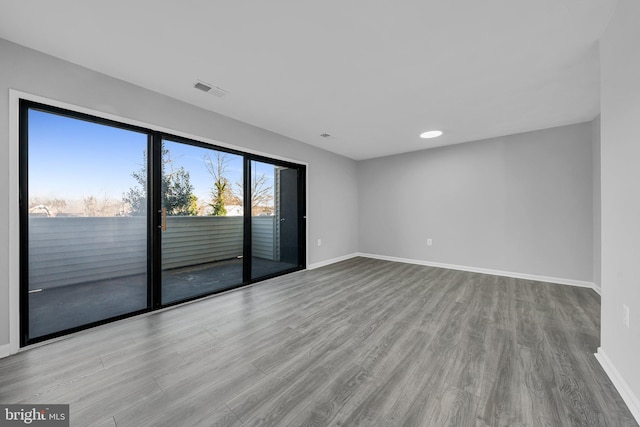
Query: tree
177, 193
261, 194
136, 197
47, 207
94, 207
193, 205
176, 189
221, 192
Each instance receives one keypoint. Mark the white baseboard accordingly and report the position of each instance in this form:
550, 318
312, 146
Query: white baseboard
330, 261
620, 384
515, 275
5, 350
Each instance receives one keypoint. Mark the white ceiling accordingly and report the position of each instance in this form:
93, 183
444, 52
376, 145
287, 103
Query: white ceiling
373, 74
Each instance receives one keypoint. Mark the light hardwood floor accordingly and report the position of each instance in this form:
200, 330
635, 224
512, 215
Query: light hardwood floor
361, 342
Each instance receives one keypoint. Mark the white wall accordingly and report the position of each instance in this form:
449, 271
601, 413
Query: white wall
521, 203
620, 169
525, 203
597, 226
332, 181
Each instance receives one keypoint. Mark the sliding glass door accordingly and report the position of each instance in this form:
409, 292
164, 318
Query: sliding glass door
201, 221
86, 255
275, 219
117, 220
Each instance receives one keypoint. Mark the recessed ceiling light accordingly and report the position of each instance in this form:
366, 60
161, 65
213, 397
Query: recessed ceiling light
431, 134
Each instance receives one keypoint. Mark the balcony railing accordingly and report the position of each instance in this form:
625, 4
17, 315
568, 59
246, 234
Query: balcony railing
70, 250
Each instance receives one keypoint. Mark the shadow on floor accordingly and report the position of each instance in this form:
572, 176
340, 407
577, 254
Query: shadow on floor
57, 309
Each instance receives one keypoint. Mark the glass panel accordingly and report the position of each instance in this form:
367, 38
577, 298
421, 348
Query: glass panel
202, 235
274, 219
87, 229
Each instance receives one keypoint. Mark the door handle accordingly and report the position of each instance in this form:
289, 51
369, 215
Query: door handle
163, 219
282, 219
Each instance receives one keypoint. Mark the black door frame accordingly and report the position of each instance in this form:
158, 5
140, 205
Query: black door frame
154, 264
301, 208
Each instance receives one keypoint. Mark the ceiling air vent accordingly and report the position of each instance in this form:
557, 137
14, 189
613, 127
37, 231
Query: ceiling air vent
203, 87
213, 90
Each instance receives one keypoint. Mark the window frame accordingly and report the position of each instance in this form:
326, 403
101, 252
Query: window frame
154, 138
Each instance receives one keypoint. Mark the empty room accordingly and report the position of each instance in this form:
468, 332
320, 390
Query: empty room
284, 213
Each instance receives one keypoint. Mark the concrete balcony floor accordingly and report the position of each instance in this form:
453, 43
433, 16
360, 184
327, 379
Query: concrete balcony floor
61, 308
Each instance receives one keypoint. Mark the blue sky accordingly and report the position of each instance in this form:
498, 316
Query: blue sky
72, 159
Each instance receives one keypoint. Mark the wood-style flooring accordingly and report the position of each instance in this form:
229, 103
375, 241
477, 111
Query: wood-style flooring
361, 342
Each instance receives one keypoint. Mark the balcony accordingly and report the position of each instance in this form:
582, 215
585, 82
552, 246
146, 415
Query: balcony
86, 269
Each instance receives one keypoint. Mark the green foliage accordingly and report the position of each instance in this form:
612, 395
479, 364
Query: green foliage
219, 196
177, 193
193, 205
136, 197
176, 190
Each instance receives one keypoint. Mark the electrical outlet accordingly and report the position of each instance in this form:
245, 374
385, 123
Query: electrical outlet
319, 242
625, 315
429, 242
